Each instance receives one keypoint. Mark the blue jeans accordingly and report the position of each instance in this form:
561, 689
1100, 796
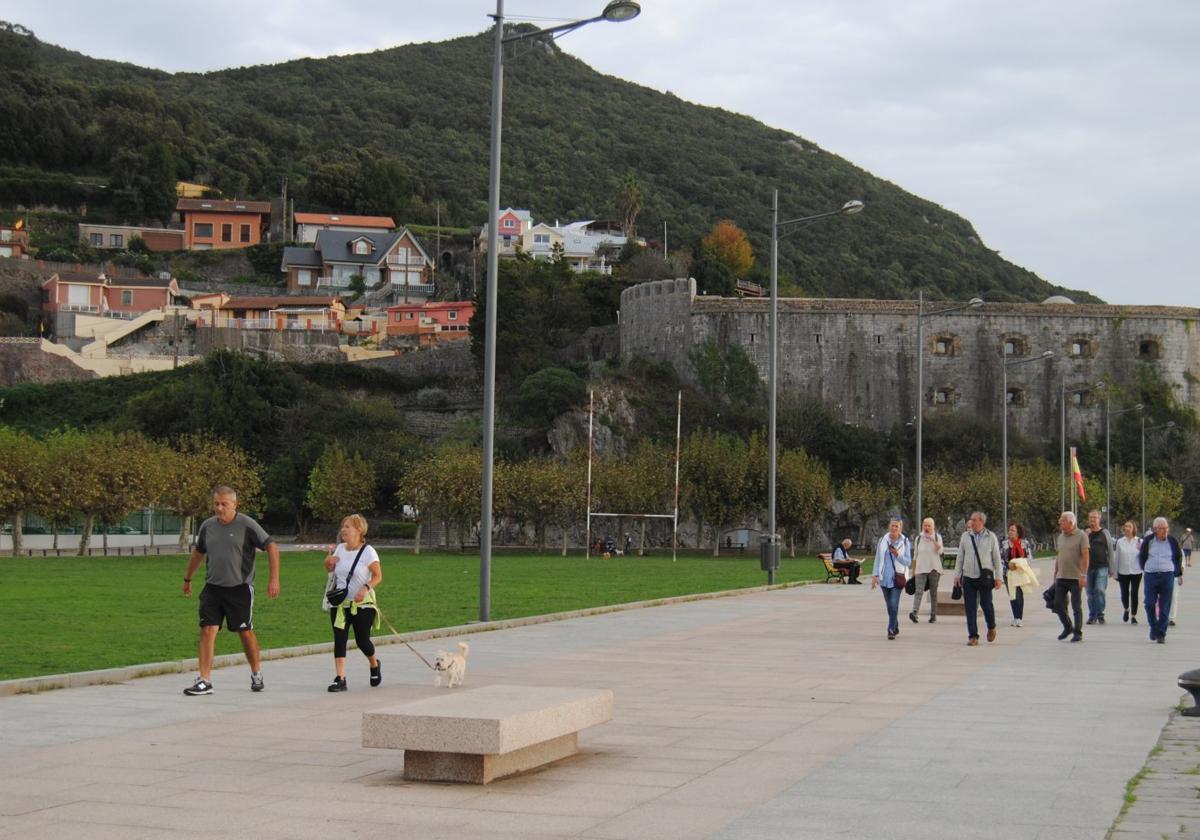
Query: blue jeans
1159, 588
974, 597
1097, 582
891, 597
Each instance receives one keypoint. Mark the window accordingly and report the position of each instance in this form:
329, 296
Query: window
1148, 348
1081, 346
97, 240
541, 239
116, 240
245, 233
453, 316
509, 223
362, 246
818, 337
1015, 396
1081, 399
879, 339
202, 230
226, 233
126, 298
941, 396
304, 277
943, 346
408, 316
1015, 345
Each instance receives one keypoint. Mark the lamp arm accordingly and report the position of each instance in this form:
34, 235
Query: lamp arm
561, 29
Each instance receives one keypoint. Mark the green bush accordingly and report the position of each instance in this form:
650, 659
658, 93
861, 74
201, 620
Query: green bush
394, 530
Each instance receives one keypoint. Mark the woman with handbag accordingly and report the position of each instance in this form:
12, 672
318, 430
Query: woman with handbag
1018, 576
893, 558
354, 574
927, 554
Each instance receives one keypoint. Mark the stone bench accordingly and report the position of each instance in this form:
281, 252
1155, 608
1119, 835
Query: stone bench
483, 734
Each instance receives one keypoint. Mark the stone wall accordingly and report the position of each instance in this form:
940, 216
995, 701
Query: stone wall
452, 359
22, 360
859, 356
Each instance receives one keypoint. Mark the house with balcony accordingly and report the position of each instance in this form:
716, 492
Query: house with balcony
14, 241
211, 224
395, 260
113, 297
586, 245
431, 322
118, 237
512, 225
306, 226
288, 312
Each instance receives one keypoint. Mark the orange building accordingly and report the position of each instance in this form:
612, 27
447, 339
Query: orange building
431, 322
213, 224
97, 294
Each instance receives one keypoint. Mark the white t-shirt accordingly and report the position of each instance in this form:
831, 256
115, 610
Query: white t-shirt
362, 572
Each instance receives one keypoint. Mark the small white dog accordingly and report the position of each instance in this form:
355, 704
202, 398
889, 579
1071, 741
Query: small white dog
450, 668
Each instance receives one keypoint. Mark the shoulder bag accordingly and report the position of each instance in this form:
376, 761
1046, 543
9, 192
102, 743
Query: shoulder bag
335, 595
900, 582
987, 578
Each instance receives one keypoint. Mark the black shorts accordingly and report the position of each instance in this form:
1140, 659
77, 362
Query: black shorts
232, 604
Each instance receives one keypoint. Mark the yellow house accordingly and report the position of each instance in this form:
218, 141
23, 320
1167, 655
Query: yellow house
186, 189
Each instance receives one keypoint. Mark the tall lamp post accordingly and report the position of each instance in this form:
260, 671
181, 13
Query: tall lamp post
1145, 429
616, 11
1007, 363
1108, 415
770, 558
921, 316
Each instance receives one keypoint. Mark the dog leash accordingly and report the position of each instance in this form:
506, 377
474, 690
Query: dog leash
396, 632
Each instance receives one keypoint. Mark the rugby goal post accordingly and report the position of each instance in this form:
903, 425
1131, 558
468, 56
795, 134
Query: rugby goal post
673, 515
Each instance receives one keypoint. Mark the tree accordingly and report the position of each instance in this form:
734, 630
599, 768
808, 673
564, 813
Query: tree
865, 500
22, 478
629, 204
804, 491
195, 466
119, 473
943, 496
727, 245
714, 471
538, 491
549, 392
340, 483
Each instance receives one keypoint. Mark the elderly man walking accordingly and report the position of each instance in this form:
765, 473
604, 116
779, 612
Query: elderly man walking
1161, 560
978, 571
1101, 548
1070, 573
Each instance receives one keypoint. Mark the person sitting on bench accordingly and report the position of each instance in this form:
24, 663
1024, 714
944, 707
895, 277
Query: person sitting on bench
843, 562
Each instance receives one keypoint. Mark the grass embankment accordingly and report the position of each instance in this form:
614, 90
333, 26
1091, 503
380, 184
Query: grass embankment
59, 615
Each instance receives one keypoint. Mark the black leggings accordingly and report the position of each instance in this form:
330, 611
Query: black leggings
361, 622
1129, 591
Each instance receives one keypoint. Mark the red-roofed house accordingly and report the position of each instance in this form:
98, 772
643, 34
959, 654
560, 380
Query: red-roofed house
211, 224
431, 322
289, 312
308, 225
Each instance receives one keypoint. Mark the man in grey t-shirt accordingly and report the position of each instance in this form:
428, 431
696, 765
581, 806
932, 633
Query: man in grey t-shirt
230, 541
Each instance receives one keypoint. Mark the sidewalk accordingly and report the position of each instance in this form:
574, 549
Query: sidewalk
783, 714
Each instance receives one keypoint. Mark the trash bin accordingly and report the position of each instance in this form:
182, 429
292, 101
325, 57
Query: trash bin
768, 552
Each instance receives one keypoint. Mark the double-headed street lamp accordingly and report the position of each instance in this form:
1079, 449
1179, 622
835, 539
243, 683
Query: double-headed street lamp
1007, 363
1170, 425
1108, 415
615, 12
921, 316
770, 558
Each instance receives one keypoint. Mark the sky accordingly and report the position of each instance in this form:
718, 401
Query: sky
1067, 132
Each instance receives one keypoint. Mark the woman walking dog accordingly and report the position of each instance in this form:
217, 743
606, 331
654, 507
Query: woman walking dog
350, 597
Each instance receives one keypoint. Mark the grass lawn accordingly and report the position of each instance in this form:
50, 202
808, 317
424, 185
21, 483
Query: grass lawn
59, 615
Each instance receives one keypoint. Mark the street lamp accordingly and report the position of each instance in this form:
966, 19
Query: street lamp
771, 559
921, 316
1007, 363
1145, 429
615, 12
1108, 415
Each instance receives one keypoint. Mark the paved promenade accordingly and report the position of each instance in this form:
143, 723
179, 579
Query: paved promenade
783, 714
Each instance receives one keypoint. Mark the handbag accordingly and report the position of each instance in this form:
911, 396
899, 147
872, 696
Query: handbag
956, 592
335, 594
910, 588
1048, 597
987, 578
901, 581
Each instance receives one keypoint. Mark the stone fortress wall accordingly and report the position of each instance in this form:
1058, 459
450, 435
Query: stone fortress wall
859, 356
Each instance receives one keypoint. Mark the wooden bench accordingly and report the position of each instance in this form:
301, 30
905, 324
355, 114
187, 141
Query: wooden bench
832, 572
483, 734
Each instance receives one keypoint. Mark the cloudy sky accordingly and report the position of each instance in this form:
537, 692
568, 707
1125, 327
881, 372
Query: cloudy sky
1068, 132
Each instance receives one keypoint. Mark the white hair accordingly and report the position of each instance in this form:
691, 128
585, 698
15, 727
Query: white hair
982, 516
1161, 520
1067, 514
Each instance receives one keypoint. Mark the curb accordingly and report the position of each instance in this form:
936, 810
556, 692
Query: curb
116, 676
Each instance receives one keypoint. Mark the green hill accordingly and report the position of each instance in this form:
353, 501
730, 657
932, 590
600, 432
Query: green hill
399, 131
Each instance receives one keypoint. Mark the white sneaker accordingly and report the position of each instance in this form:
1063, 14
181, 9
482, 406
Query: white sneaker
1017, 623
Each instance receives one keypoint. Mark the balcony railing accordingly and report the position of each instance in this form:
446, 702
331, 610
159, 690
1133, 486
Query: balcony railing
411, 262
412, 288
78, 307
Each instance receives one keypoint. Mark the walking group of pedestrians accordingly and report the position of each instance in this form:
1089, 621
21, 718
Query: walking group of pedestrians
228, 543
1083, 563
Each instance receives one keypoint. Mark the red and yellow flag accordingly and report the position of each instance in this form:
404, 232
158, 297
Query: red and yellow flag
19, 224
1078, 475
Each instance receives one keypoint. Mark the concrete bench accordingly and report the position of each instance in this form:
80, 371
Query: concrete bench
487, 733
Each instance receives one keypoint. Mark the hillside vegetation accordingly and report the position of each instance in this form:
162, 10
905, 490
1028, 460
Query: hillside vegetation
403, 130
